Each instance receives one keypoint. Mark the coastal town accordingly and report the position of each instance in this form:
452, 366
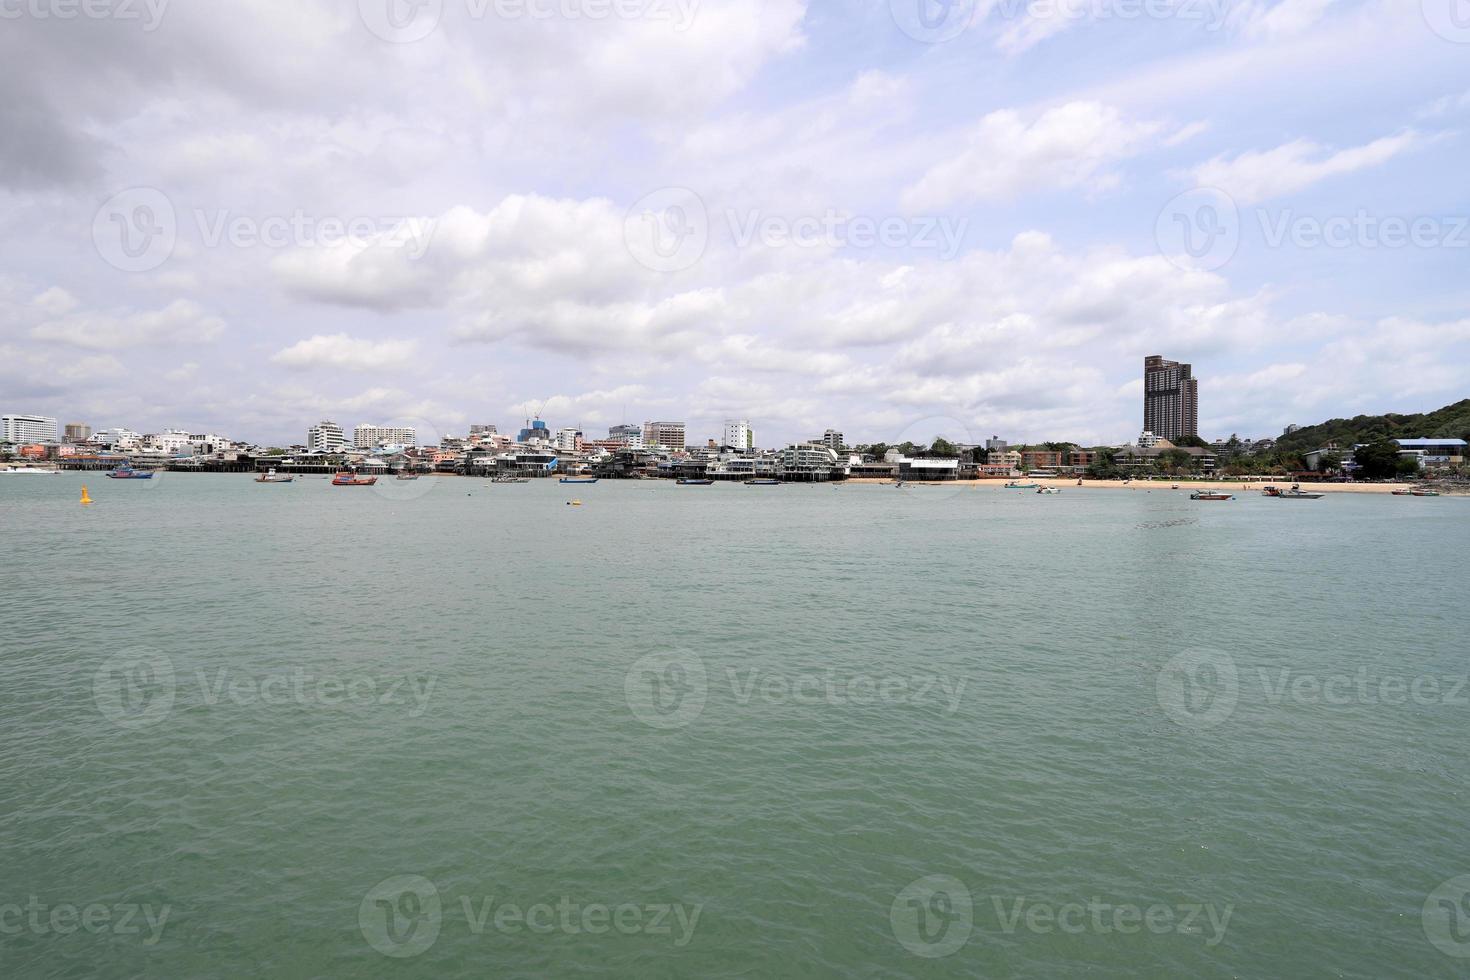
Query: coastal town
1168, 446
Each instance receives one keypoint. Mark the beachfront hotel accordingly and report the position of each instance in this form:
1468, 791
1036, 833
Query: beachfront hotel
1170, 398
27, 428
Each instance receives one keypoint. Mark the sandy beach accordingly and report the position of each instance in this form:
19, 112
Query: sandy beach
1141, 486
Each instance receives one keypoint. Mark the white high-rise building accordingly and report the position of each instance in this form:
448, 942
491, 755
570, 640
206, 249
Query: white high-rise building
27, 428
628, 435
568, 439
325, 437
371, 436
737, 434
832, 439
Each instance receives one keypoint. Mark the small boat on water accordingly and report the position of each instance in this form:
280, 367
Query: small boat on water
348, 479
1296, 493
578, 479
1404, 492
126, 472
406, 476
1424, 493
511, 479
29, 471
1211, 495
271, 476
685, 481
1013, 485
762, 483
1048, 490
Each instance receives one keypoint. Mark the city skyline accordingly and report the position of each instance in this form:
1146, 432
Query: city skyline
821, 228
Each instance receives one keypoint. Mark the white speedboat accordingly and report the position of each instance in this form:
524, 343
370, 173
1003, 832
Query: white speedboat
29, 471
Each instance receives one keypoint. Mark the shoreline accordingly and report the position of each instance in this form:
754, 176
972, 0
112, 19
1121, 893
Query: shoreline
1229, 486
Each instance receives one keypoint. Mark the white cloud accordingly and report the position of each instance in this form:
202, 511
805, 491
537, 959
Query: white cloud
343, 353
1003, 155
1260, 175
181, 322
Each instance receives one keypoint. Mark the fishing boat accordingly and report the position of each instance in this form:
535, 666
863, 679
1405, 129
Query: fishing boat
511, 479
577, 479
685, 481
1424, 493
1403, 492
348, 479
1296, 493
1013, 485
271, 476
29, 471
763, 483
126, 472
406, 476
1270, 491
1211, 495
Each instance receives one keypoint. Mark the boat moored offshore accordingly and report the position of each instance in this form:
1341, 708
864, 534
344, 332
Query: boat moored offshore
349, 479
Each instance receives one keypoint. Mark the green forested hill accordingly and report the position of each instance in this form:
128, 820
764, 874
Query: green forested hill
1452, 420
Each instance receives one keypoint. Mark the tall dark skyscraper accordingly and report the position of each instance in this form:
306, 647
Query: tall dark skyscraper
1170, 398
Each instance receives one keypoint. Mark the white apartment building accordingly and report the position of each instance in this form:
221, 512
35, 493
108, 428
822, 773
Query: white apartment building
628, 435
568, 440
832, 439
325, 437
737, 434
27, 428
372, 436
118, 438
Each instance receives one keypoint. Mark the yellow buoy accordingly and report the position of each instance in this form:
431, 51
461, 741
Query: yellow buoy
85, 499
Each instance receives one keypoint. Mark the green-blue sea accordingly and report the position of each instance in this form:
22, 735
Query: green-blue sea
445, 728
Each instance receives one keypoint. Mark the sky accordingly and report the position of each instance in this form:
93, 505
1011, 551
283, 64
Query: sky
897, 218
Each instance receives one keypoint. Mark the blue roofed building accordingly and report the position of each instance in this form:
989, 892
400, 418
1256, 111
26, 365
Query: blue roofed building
1434, 454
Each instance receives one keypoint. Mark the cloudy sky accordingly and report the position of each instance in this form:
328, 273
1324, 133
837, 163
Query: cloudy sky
899, 218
